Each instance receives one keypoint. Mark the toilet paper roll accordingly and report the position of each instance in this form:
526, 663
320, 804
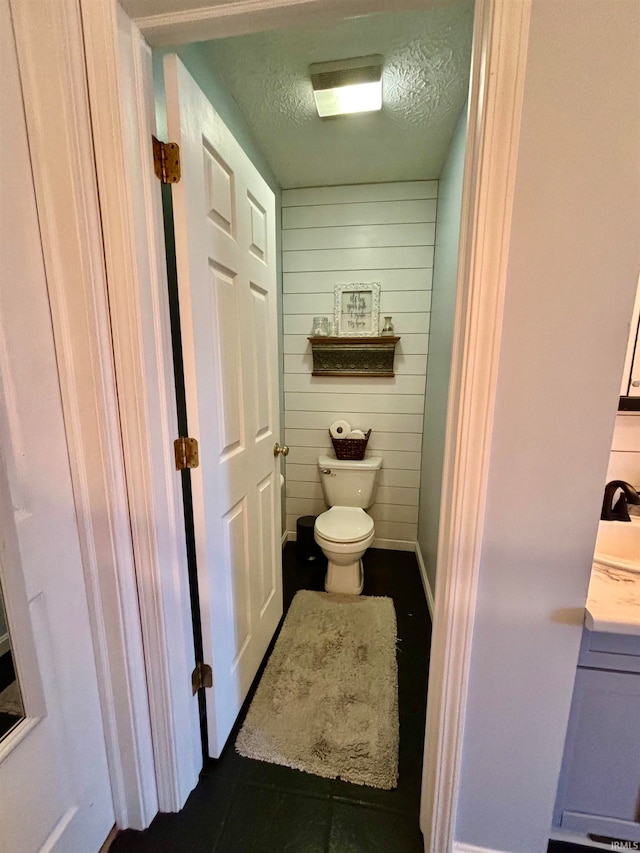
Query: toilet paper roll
340, 429
356, 433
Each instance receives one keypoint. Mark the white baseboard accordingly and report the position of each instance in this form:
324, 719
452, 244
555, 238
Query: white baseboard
394, 544
425, 582
5, 644
461, 847
285, 538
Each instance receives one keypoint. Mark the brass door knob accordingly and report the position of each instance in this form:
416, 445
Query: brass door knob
280, 449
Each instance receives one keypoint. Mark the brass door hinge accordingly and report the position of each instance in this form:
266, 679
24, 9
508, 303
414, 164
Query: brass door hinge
186, 453
166, 161
201, 677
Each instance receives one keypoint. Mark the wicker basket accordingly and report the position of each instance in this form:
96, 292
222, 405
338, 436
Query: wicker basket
350, 448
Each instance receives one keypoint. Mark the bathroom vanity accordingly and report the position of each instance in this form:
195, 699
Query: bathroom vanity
599, 786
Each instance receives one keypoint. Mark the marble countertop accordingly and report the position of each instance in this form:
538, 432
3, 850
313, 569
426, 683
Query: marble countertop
613, 602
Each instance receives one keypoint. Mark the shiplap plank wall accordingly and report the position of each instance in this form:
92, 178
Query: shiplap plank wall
337, 235
624, 462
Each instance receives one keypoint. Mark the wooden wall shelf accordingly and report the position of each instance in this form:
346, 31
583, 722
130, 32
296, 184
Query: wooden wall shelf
342, 356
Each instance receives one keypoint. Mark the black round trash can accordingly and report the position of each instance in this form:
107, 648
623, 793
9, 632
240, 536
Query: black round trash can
306, 546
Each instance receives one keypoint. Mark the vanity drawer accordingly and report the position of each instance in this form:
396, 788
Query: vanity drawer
619, 652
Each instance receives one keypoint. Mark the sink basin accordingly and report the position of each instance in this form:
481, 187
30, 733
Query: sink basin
618, 544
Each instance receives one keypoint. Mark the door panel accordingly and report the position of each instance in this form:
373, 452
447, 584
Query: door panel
225, 312
224, 219
260, 320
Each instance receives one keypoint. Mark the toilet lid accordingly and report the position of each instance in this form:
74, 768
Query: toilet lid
344, 524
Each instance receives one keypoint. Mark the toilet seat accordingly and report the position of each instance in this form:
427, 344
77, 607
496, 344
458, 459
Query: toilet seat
344, 524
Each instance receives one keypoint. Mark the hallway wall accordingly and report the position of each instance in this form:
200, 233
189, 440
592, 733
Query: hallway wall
575, 225
362, 233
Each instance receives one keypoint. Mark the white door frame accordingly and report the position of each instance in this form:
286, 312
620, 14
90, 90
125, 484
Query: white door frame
51, 59
501, 30
123, 116
111, 329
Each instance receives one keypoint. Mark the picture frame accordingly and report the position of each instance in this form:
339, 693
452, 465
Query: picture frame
357, 309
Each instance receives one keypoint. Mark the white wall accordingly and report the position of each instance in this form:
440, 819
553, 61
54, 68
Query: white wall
443, 302
361, 233
572, 274
624, 461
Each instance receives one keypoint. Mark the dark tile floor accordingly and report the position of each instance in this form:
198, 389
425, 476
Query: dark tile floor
7, 671
7, 676
7, 722
246, 806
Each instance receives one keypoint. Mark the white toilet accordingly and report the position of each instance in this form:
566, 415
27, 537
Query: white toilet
345, 531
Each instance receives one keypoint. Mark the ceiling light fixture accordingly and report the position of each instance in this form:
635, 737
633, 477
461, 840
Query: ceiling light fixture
347, 85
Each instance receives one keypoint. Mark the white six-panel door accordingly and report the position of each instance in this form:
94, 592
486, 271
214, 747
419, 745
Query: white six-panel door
224, 215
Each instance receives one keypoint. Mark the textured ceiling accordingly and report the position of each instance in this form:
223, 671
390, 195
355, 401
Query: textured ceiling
425, 82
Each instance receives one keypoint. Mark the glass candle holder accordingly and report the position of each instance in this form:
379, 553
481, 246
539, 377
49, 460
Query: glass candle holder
320, 327
387, 328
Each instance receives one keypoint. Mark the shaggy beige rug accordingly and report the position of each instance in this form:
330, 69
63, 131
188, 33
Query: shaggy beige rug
328, 700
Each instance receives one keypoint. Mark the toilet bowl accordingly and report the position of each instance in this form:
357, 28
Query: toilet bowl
345, 531
344, 534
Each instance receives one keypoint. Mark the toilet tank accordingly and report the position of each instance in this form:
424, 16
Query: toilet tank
346, 482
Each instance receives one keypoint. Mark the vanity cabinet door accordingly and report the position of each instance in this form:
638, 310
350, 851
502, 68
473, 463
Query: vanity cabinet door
599, 789
601, 650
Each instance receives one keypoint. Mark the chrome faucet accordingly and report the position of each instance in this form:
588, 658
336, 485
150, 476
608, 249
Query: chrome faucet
618, 512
